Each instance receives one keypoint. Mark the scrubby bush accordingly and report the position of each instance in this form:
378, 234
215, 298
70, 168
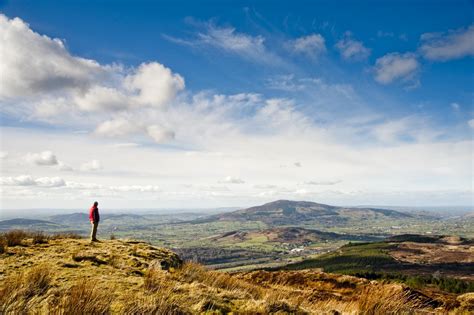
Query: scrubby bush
15, 237
39, 237
3, 245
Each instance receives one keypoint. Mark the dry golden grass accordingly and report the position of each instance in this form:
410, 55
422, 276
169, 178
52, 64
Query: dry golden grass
17, 291
125, 277
84, 297
23, 238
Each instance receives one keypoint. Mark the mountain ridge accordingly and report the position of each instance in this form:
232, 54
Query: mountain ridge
287, 212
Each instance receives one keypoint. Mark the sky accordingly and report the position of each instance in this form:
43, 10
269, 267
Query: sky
187, 104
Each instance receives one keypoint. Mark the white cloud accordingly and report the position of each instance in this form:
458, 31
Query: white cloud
351, 49
125, 145
27, 180
93, 165
136, 188
159, 134
471, 123
102, 98
322, 183
265, 186
42, 81
83, 186
42, 158
50, 182
64, 167
405, 129
284, 83
232, 180
455, 106
117, 127
446, 46
3, 155
229, 40
32, 64
312, 45
156, 85
51, 107
395, 66
246, 132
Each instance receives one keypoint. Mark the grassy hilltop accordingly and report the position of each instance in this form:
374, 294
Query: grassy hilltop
67, 275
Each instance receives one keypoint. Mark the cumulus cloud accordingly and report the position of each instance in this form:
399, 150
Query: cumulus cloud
33, 64
46, 82
351, 49
93, 165
446, 46
155, 84
117, 127
396, 66
99, 98
42, 158
27, 180
232, 180
160, 134
312, 45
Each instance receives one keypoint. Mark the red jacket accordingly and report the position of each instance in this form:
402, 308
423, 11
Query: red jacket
94, 214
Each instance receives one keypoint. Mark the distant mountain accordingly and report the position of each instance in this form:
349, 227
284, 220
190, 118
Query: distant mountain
70, 218
20, 223
290, 235
286, 212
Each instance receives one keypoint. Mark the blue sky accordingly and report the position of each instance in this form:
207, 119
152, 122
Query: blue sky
385, 82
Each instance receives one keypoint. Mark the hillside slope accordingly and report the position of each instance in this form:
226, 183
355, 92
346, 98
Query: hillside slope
73, 276
443, 261
20, 223
287, 212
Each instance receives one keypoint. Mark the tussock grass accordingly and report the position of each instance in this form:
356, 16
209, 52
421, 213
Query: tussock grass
128, 288
17, 291
192, 272
164, 301
84, 297
383, 299
20, 237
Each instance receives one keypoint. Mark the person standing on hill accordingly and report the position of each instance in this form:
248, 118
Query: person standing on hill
94, 218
